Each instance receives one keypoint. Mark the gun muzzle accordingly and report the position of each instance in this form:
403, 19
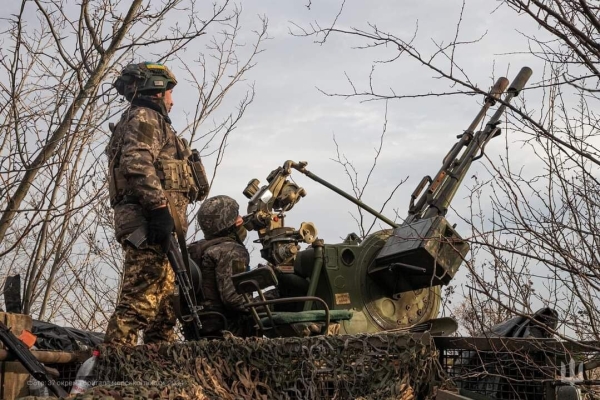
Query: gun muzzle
497, 90
519, 82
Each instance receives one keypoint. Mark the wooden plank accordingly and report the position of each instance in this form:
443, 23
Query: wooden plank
51, 357
13, 376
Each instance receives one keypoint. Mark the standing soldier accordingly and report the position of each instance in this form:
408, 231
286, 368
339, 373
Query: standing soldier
153, 176
220, 255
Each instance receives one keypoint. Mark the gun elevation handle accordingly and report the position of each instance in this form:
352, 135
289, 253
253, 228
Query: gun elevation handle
520, 81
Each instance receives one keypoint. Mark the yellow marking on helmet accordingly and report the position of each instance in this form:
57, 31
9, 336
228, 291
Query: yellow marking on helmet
155, 66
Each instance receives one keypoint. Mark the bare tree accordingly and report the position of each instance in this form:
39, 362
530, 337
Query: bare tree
365, 223
58, 60
534, 234
540, 228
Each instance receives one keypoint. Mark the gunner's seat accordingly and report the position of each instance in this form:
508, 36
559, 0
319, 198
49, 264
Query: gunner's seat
284, 324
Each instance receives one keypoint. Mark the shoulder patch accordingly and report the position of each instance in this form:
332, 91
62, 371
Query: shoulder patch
146, 133
238, 266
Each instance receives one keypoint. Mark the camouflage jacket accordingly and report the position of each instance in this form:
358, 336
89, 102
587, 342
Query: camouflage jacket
217, 264
141, 137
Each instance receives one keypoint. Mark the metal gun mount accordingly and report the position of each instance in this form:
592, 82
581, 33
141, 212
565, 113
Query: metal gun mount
426, 250
392, 278
266, 215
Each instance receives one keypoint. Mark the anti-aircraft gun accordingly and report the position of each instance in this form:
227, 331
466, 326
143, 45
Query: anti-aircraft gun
392, 278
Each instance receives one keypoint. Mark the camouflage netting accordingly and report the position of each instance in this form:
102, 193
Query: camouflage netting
374, 366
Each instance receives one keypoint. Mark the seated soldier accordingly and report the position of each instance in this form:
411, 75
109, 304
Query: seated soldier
220, 255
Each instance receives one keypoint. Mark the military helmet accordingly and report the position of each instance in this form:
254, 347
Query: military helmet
144, 77
217, 214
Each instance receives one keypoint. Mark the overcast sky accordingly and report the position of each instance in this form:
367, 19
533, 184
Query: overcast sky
291, 119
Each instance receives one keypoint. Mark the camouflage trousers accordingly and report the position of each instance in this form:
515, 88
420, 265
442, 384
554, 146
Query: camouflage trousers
146, 299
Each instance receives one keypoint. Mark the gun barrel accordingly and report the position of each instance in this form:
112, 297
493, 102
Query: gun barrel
513, 91
519, 82
31, 364
185, 285
497, 90
493, 95
437, 198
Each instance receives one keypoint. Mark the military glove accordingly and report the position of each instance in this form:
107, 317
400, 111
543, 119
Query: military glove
160, 227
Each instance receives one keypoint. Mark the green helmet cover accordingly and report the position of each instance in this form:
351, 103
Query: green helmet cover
143, 77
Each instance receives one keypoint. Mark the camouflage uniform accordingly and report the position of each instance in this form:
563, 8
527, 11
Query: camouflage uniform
141, 137
220, 255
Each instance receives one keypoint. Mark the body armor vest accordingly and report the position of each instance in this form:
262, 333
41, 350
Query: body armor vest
212, 297
185, 175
